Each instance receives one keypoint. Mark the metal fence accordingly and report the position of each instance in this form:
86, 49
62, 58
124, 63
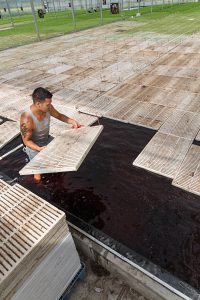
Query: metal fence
26, 21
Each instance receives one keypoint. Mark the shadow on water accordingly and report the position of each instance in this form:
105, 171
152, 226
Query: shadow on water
139, 209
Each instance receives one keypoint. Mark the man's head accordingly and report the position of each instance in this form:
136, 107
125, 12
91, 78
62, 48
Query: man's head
42, 99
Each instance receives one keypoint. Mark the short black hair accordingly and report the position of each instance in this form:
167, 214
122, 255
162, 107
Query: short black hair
40, 94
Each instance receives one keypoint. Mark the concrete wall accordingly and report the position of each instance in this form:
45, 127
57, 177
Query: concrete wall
135, 278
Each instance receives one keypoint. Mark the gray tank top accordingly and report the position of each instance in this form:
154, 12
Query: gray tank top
41, 132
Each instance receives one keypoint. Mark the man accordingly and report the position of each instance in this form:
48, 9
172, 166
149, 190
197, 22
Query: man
34, 124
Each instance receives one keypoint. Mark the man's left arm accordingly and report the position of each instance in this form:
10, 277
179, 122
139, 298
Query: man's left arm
56, 114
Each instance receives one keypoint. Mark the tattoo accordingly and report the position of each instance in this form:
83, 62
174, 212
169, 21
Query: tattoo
24, 130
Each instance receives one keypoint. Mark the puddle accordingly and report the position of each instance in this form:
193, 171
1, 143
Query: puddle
141, 210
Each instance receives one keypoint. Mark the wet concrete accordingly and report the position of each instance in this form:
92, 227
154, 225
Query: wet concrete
137, 208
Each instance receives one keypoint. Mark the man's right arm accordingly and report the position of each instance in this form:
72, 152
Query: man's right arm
26, 128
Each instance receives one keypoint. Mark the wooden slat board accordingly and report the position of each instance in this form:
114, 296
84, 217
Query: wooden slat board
140, 113
8, 131
101, 105
27, 225
13, 109
57, 127
53, 275
182, 124
120, 110
65, 153
148, 115
163, 154
188, 176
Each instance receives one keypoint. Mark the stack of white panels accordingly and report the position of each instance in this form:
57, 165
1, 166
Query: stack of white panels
30, 228
52, 277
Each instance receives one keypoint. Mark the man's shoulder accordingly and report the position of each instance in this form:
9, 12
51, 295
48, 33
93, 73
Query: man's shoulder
26, 117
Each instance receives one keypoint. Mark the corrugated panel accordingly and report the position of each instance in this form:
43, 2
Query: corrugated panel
57, 127
65, 153
182, 124
8, 131
163, 154
188, 176
27, 224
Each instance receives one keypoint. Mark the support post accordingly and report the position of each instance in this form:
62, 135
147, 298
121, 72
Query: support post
35, 20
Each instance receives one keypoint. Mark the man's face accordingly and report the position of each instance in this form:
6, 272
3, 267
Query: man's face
45, 105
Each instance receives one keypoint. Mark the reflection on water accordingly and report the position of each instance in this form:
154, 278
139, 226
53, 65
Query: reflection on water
139, 209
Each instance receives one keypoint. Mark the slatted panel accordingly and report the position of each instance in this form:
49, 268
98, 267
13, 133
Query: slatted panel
3, 186
26, 221
65, 153
57, 127
155, 121
100, 106
182, 124
188, 176
53, 275
13, 109
120, 110
147, 114
8, 131
15, 74
163, 154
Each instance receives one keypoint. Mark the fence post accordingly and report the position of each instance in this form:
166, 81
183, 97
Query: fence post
35, 20
101, 14
151, 6
73, 14
11, 19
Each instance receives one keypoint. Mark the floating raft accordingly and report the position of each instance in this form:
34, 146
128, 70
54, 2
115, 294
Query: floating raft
30, 228
182, 124
57, 127
188, 176
8, 131
163, 154
65, 153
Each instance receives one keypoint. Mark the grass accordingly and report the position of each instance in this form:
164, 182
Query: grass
174, 19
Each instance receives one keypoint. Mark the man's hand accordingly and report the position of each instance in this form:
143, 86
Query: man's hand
74, 123
41, 148
56, 114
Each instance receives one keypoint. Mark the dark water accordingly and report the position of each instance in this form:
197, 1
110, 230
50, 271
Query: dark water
137, 208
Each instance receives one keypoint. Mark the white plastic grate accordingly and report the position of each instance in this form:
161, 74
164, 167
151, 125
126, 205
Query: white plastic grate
3, 186
27, 223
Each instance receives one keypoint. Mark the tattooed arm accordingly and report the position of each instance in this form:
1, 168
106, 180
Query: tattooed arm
26, 128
